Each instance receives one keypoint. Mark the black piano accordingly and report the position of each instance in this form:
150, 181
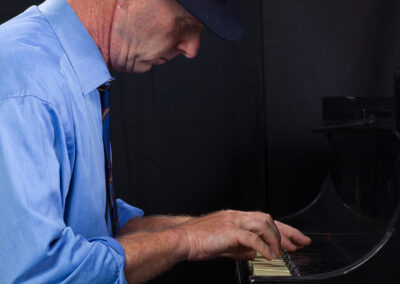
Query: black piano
354, 220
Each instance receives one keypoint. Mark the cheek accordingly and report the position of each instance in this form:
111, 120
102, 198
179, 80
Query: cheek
117, 56
170, 40
117, 39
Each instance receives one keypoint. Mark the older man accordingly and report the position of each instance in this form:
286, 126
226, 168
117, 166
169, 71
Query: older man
57, 226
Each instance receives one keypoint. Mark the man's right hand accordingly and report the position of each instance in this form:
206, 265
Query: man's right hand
230, 233
234, 234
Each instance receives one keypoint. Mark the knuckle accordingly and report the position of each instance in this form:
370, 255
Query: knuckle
268, 217
251, 236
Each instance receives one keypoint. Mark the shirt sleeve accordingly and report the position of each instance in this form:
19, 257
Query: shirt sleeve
36, 246
127, 212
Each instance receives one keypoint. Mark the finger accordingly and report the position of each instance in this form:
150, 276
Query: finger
270, 238
299, 239
294, 235
288, 245
253, 241
263, 225
267, 219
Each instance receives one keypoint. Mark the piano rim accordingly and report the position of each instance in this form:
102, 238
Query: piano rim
341, 271
391, 228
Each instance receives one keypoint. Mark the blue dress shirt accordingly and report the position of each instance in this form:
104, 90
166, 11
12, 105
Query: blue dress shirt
52, 178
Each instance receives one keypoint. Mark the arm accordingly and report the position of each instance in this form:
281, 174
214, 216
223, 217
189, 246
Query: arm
151, 253
153, 223
222, 234
130, 223
230, 233
36, 246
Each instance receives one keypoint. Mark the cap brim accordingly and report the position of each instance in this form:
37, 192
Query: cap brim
222, 19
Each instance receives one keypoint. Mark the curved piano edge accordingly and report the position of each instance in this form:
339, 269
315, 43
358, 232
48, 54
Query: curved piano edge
329, 276
327, 213
379, 264
327, 193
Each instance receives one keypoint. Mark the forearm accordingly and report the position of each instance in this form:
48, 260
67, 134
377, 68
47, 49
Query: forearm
150, 253
153, 223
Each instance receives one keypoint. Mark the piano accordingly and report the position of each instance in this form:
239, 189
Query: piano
354, 220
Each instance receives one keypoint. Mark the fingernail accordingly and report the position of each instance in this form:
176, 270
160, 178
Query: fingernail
273, 255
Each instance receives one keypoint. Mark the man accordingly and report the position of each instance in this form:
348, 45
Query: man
55, 223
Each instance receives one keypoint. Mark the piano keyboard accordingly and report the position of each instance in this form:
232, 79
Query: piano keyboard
261, 266
326, 253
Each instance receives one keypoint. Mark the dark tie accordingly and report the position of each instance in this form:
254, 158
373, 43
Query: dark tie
111, 202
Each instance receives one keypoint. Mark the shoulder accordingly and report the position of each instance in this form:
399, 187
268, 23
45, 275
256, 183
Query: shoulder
30, 57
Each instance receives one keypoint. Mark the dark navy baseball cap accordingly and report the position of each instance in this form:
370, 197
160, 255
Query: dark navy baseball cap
219, 16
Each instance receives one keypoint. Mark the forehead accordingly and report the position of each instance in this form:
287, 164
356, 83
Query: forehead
190, 19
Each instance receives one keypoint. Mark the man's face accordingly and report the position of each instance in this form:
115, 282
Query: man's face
151, 32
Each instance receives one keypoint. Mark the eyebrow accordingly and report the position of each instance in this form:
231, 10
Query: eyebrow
192, 21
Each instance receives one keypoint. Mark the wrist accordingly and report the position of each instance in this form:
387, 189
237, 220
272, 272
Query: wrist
182, 242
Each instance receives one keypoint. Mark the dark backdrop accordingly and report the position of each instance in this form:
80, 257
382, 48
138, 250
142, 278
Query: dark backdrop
314, 49
189, 136
231, 128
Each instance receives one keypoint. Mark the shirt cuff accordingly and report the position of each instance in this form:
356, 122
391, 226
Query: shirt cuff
127, 212
118, 253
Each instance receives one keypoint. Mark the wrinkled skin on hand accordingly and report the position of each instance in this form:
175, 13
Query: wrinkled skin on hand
239, 235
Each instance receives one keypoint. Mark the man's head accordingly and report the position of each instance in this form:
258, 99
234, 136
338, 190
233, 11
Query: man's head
134, 35
150, 32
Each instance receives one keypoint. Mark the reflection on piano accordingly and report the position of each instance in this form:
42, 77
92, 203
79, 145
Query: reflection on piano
354, 221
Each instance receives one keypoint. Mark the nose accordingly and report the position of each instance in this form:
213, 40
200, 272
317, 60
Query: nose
190, 45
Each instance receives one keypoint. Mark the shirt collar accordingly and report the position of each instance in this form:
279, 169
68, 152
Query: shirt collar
79, 46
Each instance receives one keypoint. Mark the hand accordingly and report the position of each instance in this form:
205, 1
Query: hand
233, 234
291, 238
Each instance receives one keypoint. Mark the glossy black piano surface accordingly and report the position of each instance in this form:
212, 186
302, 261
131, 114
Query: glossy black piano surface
354, 220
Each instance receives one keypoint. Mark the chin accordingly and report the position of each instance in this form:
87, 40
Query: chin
119, 68
136, 68
141, 68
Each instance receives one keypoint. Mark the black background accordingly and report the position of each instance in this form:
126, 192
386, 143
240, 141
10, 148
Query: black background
231, 128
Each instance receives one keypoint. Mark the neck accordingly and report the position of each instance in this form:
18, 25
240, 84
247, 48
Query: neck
97, 16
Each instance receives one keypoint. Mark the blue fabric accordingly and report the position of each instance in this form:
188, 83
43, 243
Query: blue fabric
110, 194
52, 178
